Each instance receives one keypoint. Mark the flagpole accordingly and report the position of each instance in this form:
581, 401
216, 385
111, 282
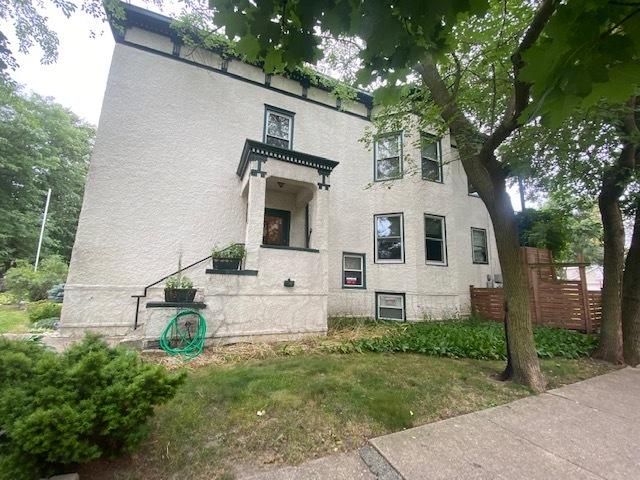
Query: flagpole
44, 220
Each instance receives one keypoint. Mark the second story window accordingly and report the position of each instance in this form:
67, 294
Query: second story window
388, 157
278, 127
431, 154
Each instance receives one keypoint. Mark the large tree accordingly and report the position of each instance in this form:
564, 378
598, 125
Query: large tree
594, 154
42, 145
567, 51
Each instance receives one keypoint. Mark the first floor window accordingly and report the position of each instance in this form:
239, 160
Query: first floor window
431, 154
388, 157
278, 128
390, 306
435, 239
389, 231
479, 245
353, 275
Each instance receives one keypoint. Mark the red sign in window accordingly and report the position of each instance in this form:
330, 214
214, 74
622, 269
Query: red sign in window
351, 281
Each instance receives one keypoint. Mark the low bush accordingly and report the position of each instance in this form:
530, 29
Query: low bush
43, 309
473, 339
60, 410
52, 323
27, 284
8, 298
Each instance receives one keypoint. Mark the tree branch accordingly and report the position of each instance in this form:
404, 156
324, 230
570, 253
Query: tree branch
520, 97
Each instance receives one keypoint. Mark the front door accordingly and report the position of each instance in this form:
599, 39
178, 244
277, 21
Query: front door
276, 227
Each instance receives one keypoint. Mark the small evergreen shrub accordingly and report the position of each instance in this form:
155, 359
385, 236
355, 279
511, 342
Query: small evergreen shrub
52, 323
26, 284
56, 293
473, 339
43, 309
59, 410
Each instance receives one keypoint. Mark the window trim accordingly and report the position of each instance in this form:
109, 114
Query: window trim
404, 306
270, 108
363, 258
486, 239
445, 262
400, 135
375, 238
438, 142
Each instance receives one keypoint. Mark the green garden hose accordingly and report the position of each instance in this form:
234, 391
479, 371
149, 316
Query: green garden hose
184, 338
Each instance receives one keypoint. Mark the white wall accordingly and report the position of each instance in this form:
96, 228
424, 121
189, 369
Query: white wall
162, 182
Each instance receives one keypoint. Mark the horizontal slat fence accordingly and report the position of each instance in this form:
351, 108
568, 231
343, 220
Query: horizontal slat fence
554, 303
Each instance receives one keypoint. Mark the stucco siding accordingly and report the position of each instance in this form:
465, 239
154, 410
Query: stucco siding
162, 184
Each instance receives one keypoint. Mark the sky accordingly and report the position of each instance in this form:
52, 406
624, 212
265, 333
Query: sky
77, 80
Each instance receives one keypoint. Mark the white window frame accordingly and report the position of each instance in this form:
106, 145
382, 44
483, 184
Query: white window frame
375, 237
443, 239
402, 309
438, 160
362, 270
376, 157
282, 113
486, 245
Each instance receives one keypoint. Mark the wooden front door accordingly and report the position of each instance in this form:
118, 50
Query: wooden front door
276, 227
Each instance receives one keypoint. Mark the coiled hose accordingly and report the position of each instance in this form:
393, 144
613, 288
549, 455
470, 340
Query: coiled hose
184, 338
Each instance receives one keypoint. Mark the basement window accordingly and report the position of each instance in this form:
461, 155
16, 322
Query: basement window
390, 306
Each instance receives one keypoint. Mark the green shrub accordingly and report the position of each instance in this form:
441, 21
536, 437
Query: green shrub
8, 298
46, 324
26, 284
57, 410
43, 309
472, 339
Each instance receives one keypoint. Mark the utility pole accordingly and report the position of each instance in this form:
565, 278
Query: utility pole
44, 220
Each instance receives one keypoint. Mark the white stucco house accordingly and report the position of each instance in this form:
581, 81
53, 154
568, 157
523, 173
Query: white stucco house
194, 150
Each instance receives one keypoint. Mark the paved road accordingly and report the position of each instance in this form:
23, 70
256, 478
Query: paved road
589, 430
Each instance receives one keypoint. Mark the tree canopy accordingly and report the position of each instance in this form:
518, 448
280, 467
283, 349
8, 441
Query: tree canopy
42, 145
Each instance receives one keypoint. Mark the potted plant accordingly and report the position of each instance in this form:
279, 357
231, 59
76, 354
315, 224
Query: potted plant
229, 257
179, 289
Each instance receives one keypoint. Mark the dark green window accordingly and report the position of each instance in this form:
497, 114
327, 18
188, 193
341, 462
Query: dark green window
435, 240
479, 245
388, 157
431, 153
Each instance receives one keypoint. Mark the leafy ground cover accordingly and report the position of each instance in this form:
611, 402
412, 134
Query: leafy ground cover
13, 319
474, 339
249, 408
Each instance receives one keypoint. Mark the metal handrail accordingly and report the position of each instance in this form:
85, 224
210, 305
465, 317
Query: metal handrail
144, 294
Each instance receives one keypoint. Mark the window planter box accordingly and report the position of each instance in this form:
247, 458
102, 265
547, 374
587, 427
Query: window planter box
180, 295
226, 263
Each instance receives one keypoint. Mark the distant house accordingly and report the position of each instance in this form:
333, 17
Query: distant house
195, 149
594, 274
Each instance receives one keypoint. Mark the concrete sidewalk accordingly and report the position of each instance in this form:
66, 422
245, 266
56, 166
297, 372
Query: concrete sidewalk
588, 430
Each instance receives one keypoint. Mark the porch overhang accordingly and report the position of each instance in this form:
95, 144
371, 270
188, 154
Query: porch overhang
260, 152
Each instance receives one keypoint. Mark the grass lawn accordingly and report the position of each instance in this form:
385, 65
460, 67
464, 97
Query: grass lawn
13, 319
244, 416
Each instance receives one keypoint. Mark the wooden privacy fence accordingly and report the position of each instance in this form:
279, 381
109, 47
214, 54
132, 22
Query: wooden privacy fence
554, 302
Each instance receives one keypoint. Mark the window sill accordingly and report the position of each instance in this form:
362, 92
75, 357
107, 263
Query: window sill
352, 287
285, 247
436, 264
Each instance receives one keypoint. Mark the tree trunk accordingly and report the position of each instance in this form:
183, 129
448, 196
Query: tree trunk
525, 367
631, 298
610, 348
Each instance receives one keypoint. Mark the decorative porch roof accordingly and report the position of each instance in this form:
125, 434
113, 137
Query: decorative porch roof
260, 149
